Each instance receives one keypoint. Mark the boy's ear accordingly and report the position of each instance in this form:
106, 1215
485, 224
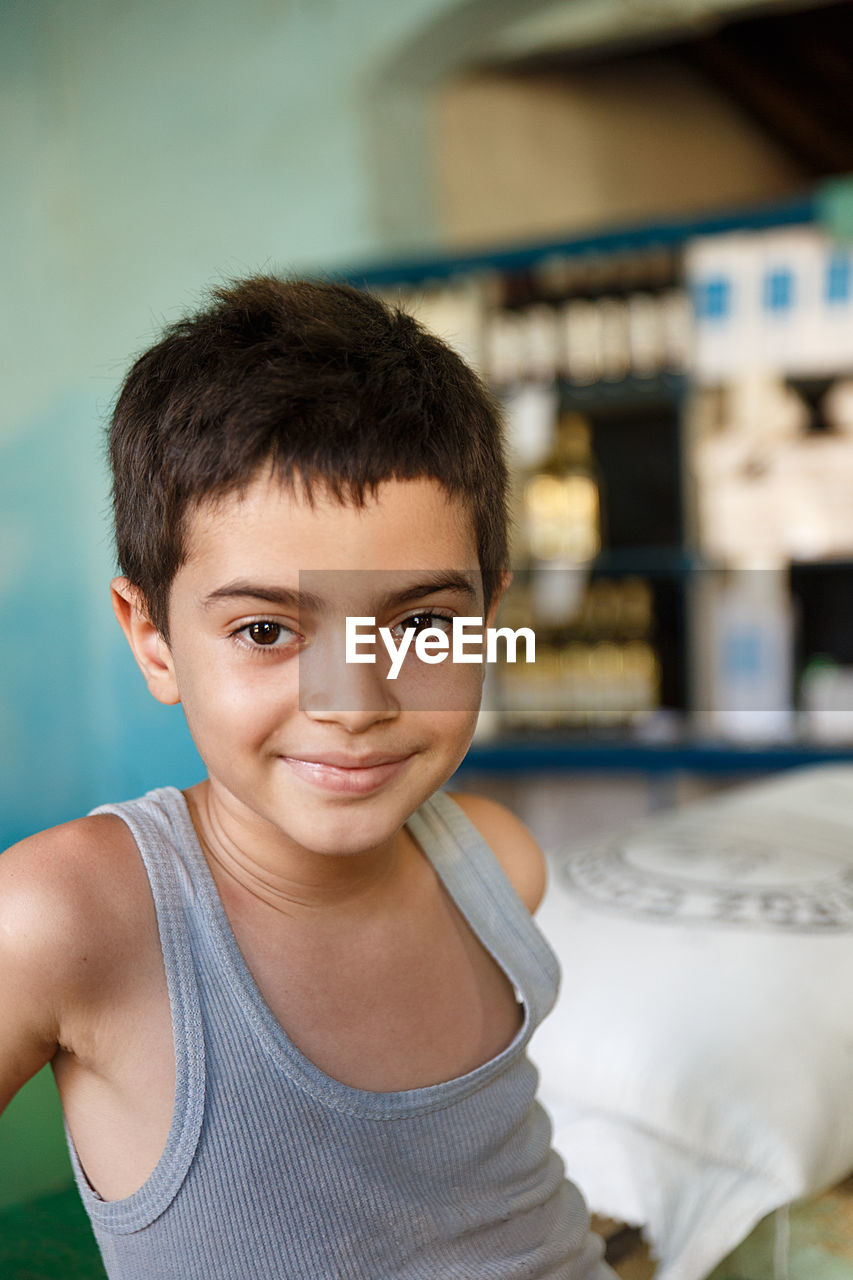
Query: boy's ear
152, 654
503, 582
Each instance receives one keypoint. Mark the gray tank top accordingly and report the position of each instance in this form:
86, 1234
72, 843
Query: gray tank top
272, 1170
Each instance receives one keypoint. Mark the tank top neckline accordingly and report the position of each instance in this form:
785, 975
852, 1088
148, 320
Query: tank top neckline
272, 1036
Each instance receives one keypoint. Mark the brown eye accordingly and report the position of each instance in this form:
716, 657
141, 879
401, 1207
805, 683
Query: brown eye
275, 637
264, 633
421, 621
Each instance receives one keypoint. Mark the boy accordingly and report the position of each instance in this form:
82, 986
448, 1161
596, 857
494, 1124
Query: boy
287, 1009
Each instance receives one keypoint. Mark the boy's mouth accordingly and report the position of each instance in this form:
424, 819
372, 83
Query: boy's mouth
355, 775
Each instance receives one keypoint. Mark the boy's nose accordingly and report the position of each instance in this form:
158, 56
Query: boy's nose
354, 695
353, 721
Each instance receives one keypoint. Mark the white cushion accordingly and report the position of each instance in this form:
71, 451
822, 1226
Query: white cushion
699, 1063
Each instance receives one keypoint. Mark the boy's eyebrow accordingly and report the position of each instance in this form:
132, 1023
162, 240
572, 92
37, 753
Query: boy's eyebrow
285, 596
290, 598
428, 586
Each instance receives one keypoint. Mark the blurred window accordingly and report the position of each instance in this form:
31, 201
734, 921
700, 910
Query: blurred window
839, 276
713, 298
779, 290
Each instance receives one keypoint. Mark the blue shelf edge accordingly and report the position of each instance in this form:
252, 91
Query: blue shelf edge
520, 257
537, 755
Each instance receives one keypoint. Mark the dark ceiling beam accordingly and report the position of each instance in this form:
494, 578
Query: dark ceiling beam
801, 116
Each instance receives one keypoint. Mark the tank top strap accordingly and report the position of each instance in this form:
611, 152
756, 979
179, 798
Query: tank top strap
481, 890
156, 824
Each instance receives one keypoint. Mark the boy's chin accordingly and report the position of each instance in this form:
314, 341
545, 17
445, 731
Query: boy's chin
347, 837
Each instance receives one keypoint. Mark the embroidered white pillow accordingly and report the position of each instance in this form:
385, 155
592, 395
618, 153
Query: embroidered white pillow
699, 1062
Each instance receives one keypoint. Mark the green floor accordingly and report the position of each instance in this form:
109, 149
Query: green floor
49, 1239
44, 1231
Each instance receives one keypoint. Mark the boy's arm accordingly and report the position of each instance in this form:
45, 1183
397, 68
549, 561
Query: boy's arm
45, 963
511, 843
29, 1027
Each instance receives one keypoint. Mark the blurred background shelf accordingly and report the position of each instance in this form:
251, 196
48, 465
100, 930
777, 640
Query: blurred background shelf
621, 334
628, 238
580, 754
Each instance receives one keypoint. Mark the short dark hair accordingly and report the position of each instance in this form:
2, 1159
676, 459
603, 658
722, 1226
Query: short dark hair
318, 380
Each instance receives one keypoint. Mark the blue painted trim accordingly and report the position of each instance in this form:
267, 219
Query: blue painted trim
666, 562
526, 756
665, 389
621, 239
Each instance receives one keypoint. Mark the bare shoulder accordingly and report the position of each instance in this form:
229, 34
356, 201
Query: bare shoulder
68, 856
66, 895
512, 844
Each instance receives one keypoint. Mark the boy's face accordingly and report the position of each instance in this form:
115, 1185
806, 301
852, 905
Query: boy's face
298, 743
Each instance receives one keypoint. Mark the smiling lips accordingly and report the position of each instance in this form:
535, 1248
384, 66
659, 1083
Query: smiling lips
343, 774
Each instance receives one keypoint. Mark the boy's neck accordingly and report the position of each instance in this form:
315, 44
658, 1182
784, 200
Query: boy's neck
292, 880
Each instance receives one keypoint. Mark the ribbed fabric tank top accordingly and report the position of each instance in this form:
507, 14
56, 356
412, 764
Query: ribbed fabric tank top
272, 1170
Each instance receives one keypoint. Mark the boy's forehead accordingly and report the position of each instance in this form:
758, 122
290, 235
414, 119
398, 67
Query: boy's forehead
272, 525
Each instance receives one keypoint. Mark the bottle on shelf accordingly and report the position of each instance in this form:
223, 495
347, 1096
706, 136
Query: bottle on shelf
560, 518
562, 507
601, 671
